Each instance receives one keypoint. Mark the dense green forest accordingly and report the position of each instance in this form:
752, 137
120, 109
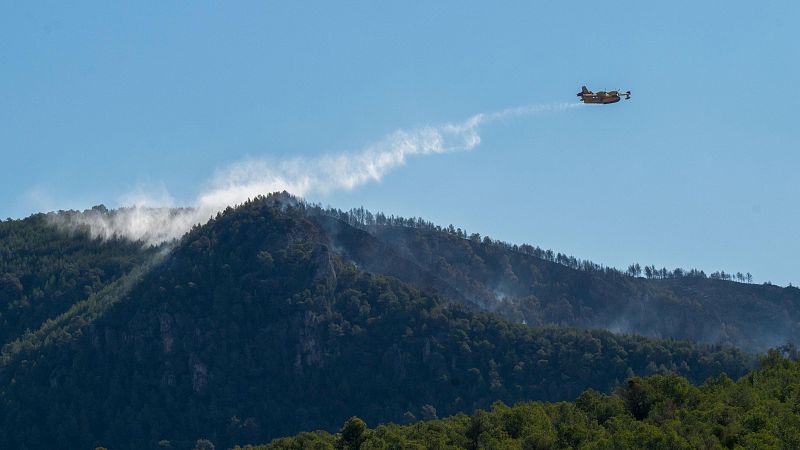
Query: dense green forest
541, 287
759, 411
44, 271
258, 325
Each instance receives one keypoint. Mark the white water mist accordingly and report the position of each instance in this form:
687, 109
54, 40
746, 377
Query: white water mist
153, 221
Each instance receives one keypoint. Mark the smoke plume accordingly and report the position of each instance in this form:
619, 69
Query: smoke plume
153, 221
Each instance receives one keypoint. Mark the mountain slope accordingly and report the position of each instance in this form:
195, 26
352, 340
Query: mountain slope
523, 283
657, 412
44, 271
254, 327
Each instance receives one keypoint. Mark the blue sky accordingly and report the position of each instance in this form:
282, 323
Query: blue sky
698, 169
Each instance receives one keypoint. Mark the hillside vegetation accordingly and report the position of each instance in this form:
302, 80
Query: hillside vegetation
541, 287
44, 271
760, 411
258, 325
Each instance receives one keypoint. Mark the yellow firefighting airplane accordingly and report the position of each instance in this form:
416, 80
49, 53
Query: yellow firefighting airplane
602, 97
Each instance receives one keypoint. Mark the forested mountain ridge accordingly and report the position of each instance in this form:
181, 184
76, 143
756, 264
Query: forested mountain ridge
45, 271
760, 411
255, 326
525, 283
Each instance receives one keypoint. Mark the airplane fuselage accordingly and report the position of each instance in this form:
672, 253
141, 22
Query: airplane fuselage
600, 99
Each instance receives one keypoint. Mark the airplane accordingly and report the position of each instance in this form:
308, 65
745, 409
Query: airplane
602, 97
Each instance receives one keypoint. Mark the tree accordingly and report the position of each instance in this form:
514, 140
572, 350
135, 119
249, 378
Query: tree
352, 434
634, 270
478, 423
638, 397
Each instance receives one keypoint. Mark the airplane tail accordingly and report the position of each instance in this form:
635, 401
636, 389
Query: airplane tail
584, 90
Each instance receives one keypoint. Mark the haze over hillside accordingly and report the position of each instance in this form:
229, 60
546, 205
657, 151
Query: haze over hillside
278, 316
216, 297
522, 282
